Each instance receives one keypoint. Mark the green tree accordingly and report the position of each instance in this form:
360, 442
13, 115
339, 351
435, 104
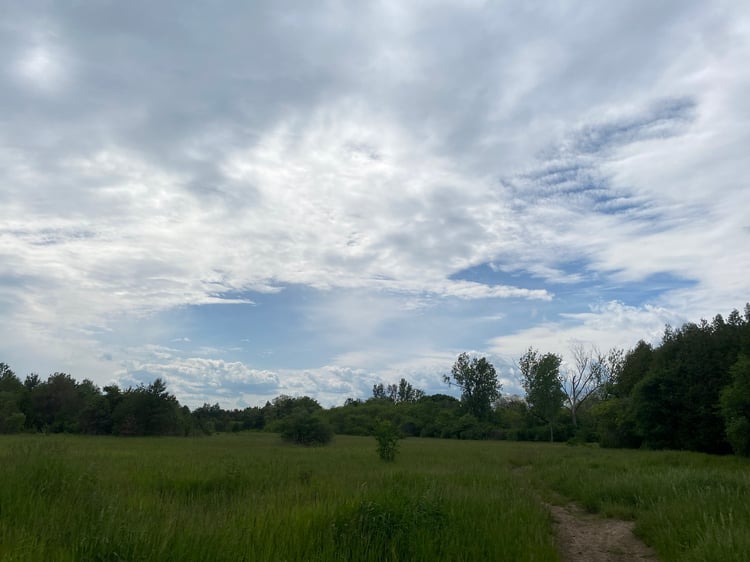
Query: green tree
677, 405
400, 393
540, 377
407, 393
387, 437
635, 365
378, 392
9, 382
735, 407
146, 410
304, 428
477, 379
514, 417
164, 415
56, 404
95, 416
12, 394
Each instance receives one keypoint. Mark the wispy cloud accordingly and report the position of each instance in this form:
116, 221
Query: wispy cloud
364, 189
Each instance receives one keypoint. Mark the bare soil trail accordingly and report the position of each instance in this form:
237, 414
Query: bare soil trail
585, 537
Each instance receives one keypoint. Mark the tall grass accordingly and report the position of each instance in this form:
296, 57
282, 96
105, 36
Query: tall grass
690, 507
249, 497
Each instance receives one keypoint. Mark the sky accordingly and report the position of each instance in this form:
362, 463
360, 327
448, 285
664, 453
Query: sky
250, 199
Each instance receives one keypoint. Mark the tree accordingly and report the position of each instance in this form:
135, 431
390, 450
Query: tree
586, 377
540, 377
387, 437
305, 428
735, 407
56, 404
478, 382
635, 364
9, 382
146, 410
95, 415
12, 393
400, 393
677, 404
407, 393
378, 392
284, 406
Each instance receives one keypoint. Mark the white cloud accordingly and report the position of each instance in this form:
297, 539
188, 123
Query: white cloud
605, 325
371, 156
42, 65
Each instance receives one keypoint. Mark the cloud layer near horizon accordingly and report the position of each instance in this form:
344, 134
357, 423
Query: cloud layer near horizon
313, 198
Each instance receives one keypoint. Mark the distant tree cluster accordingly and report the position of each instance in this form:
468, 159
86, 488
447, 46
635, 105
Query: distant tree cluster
62, 405
397, 393
692, 391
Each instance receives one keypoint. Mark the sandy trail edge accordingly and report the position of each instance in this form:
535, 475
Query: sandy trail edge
584, 537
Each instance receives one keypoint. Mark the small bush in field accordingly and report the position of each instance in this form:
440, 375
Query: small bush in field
306, 429
387, 436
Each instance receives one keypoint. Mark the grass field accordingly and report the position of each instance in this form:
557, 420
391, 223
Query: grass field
250, 497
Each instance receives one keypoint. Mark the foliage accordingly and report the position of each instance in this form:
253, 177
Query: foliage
477, 379
670, 395
284, 406
12, 419
400, 393
56, 404
386, 437
63, 405
688, 392
303, 428
587, 376
634, 367
148, 410
540, 377
735, 406
676, 404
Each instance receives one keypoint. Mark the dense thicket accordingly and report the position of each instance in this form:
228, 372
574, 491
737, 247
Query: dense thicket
62, 405
691, 391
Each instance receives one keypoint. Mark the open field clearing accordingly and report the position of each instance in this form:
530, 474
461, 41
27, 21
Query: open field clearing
250, 497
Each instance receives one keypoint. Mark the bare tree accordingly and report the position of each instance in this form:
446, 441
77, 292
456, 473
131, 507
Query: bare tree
584, 378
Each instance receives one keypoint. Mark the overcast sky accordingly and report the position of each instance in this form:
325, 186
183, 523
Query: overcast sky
256, 198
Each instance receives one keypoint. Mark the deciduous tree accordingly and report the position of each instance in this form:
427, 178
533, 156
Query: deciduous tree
735, 406
540, 377
584, 378
477, 379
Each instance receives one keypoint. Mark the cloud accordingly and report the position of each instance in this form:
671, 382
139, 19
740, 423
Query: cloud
605, 325
233, 384
155, 158
40, 63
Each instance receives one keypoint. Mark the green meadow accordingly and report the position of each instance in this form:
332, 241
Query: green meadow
249, 496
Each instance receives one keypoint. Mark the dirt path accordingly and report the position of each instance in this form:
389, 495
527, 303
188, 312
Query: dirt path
583, 537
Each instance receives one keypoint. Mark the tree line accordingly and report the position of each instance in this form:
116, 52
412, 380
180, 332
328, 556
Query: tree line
63, 405
691, 391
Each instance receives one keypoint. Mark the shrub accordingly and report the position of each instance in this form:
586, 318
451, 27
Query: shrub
387, 436
307, 429
397, 523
